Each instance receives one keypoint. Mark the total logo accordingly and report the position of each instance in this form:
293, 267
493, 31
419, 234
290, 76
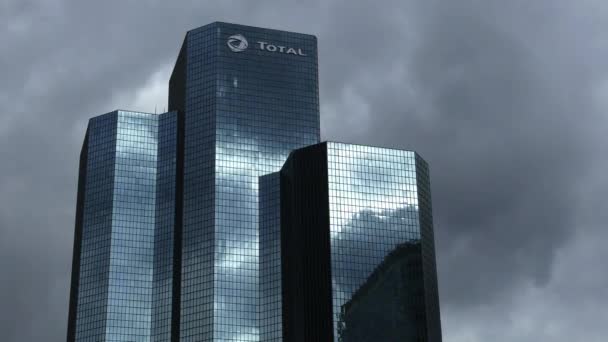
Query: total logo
238, 43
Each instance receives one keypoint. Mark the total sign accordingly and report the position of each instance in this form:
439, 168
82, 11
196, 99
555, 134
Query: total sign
238, 43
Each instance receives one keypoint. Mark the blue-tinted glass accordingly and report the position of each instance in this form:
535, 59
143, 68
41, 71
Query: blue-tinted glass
357, 252
96, 240
133, 216
240, 114
116, 274
162, 298
377, 248
244, 112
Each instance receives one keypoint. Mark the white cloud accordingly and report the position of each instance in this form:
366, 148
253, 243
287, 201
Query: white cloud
149, 97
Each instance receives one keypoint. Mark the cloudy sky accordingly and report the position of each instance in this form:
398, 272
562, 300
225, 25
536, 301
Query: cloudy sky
506, 100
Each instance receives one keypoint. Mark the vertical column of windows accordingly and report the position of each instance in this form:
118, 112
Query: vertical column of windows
96, 228
129, 309
196, 306
270, 259
373, 211
164, 232
267, 105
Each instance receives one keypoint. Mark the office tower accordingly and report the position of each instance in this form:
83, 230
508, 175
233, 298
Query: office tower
185, 220
111, 286
241, 99
357, 245
246, 97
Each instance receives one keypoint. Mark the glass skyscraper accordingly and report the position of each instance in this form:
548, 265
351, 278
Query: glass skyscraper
182, 218
112, 277
242, 99
356, 245
247, 97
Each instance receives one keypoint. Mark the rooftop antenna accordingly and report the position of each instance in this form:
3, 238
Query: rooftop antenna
154, 109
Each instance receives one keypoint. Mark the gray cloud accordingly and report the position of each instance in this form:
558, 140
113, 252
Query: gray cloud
488, 100
505, 100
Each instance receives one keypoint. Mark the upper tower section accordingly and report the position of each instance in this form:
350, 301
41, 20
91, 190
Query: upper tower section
229, 66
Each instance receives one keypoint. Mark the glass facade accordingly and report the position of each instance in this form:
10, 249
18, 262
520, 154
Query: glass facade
373, 203
112, 286
225, 219
132, 237
166, 240
357, 223
89, 292
244, 111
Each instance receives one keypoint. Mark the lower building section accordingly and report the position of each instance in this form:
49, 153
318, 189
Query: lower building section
346, 245
357, 251
92, 243
113, 286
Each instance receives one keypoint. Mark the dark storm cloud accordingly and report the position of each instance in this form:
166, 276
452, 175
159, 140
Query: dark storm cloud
503, 99
61, 63
493, 114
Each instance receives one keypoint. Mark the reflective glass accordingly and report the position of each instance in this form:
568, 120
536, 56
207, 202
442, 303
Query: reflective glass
244, 112
357, 248
133, 217
114, 291
91, 289
374, 223
162, 297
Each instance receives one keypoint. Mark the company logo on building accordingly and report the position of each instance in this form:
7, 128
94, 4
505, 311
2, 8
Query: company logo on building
238, 43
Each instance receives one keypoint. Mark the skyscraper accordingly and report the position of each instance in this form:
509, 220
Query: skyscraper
247, 97
182, 218
112, 278
243, 98
357, 251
